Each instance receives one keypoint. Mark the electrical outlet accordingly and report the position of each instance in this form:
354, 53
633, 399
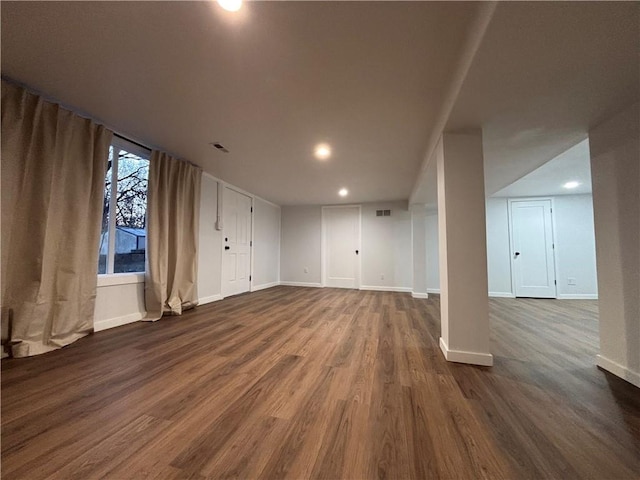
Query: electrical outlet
382, 276
571, 281
306, 269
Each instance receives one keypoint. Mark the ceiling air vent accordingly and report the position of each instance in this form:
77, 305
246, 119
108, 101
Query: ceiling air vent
219, 146
383, 213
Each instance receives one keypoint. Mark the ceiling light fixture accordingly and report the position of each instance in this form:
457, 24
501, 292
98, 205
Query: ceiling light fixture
343, 192
570, 185
322, 151
230, 5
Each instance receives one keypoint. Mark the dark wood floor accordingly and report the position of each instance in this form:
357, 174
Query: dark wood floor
323, 383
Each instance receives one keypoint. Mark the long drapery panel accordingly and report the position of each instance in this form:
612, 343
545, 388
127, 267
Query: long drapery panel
173, 206
53, 168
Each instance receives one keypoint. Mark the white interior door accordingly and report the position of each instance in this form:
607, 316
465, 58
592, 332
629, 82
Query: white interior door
341, 232
532, 258
236, 256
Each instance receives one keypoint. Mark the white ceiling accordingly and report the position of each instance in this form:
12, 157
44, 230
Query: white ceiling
268, 83
570, 166
544, 74
370, 78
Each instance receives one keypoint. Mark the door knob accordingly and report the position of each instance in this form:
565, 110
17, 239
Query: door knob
227, 247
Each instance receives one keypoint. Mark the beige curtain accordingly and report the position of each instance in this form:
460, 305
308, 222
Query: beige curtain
173, 206
53, 168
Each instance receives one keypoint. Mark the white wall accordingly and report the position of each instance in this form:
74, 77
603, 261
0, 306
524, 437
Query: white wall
432, 241
266, 244
119, 303
575, 247
301, 237
419, 250
386, 247
615, 171
209, 243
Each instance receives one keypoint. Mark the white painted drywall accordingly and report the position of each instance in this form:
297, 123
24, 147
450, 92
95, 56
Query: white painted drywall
419, 249
498, 249
432, 241
386, 247
615, 171
266, 244
464, 306
575, 246
301, 236
209, 243
119, 304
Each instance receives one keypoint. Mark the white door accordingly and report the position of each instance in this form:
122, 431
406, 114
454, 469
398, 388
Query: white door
341, 233
532, 258
236, 241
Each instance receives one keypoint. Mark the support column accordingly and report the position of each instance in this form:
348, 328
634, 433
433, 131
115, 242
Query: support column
615, 173
464, 302
419, 246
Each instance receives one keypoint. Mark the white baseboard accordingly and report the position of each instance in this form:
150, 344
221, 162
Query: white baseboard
117, 321
301, 284
435, 291
460, 356
577, 296
264, 286
502, 295
618, 370
419, 295
376, 288
209, 299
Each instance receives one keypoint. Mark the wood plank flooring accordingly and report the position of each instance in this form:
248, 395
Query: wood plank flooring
323, 383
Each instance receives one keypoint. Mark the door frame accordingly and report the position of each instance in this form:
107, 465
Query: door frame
511, 201
223, 185
323, 245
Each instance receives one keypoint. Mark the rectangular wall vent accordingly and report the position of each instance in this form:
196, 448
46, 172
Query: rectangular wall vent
383, 213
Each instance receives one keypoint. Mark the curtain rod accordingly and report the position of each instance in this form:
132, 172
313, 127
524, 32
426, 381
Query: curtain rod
131, 141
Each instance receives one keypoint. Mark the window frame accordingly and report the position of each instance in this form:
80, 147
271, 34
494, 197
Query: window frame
118, 143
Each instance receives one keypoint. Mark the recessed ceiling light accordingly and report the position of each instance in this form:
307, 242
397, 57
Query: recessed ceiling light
230, 5
571, 185
343, 192
322, 151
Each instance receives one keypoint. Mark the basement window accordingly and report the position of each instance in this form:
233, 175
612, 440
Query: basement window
123, 238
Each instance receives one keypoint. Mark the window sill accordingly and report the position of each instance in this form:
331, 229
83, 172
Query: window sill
108, 280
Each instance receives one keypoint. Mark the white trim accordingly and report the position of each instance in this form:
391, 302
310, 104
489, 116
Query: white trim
618, 370
577, 296
209, 299
111, 279
502, 294
434, 291
117, 321
419, 295
376, 288
460, 356
264, 286
301, 284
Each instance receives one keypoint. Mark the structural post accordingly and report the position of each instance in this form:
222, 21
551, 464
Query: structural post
615, 173
464, 301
